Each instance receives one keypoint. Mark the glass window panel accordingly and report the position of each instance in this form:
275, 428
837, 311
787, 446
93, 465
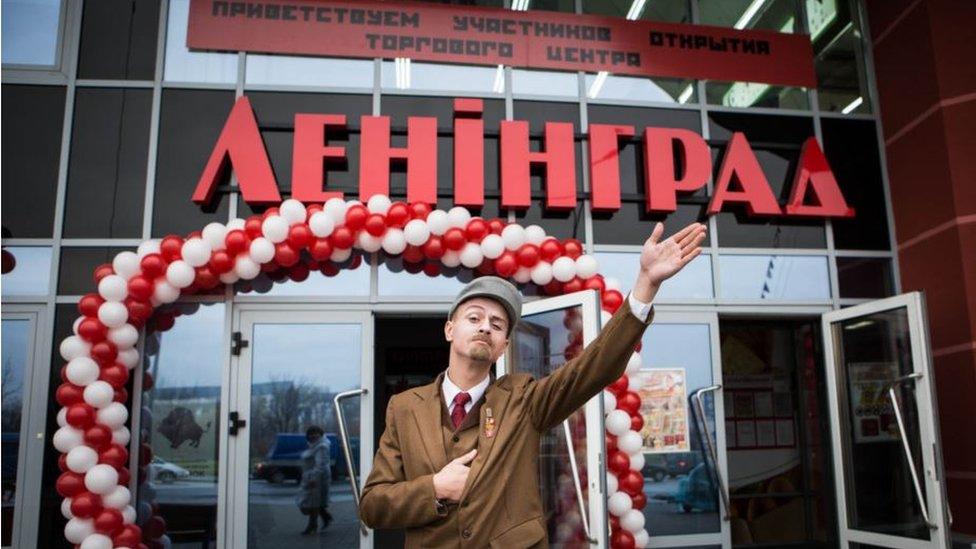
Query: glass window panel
30, 32
78, 265
756, 94
795, 278
566, 6
349, 278
31, 272
281, 70
183, 65
774, 15
866, 277
397, 278
632, 225
671, 11
31, 128
17, 343
189, 124
107, 169
118, 40
545, 83
634, 88
838, 46
414, 75
537, 114
180, 421
694, 281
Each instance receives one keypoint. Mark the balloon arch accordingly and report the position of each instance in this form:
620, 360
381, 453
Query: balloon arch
286, 242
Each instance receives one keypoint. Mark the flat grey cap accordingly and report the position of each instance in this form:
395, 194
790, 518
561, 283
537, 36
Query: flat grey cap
492, 287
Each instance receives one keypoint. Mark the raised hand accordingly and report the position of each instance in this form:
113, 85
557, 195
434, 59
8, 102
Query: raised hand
662, 259
449, 482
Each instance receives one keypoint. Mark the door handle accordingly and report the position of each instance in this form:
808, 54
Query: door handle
234, 423
893, 397
703, 430
576, 481
346, 451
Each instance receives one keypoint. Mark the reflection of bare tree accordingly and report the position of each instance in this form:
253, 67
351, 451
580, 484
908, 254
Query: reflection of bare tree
10, 392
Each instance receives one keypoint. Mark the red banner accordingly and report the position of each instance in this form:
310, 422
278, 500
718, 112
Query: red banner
491, 36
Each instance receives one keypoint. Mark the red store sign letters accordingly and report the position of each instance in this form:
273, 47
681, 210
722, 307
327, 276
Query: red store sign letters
739, 180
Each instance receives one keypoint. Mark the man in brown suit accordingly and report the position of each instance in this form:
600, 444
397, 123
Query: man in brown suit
457, 465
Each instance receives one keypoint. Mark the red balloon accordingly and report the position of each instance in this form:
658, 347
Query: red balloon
298, 272
69, 484
299, 236
496, 226
121, 395
80, 415
420, 210
343, 238
147, 381
454, 239
610, 441
102, 271
194, 234
434, 247
612, 300
285, 255
618, 462
636, 422
356, 217
139, 310
355, 262
398, 215
86, 505
98, 436
639, 500
553, 288
68, 394
130, 536
63, 462
89, 304
114, 374
528, 255
321, 249
550, 249
629, 402
573, 285
312, 209
153, 266
221, 262
124, 477
622, 539
614, 523
140, 287
329, 269
572, 248
476, 230
236, 242
432, 269
145, 454
413, 254
639, 346
171, 248
104, 352
595, 283
487, 267
375, 224
92, 330
115, 455
206, 278
155, 526
164, 321
64, 374
253, 226
619, 386
506, 264
631, 482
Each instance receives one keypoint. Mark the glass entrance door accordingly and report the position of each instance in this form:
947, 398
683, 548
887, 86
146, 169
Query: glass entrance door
286, 487
886, 450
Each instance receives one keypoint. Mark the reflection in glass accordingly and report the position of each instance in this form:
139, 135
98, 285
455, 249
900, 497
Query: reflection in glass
30, 32
694, 281
838, 47
296, 371
181, 411
182, 65
547, 83
414, 75
774, 15
288, 70
397, 278
755, 94
348, 278
633, 88
866, 277
30, 271
774, 277
872, 352
16, 350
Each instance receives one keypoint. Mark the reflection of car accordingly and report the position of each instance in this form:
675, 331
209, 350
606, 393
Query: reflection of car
655, 467
696, 491
284, 459
682, 463
166, 472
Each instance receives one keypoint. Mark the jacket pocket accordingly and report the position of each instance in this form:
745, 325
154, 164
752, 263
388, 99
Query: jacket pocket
525, 534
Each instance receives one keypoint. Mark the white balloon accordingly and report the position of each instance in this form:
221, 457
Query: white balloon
394, 242
437, 222
66, 508
633, 363
121, 436
368, 242
236, 224
586, 266
470, 255
261, 250
164, 292
535, 234
62, 417
275, 228
293, 211
416, 232
339, 255
81, 458
630, 442
336, 209
78, 529
113, 288
378, 203
147, 247
67, 438
619, 503
97, 541
542, 273
128, 515
246, 268
611, 283
458, 216
214, 234
128, 358
82, 371
563, 269
99, 394
514, 236
618, 423
113, 314
112, 416
492, 246
74, 325
451, 258
609, 402
180, 274
126, 264
523, 275
632, 521
635, 381
612, 483
196, 252
74, 346
642, 539
118, 498
229, 277
637, 462
321, 224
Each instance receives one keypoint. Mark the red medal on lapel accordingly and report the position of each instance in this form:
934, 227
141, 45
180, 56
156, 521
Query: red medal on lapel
489, 424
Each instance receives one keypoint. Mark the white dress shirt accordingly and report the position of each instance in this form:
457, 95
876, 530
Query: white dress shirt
450, 390
638, 307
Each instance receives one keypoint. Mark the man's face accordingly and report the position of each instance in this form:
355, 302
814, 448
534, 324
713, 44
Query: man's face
478, 330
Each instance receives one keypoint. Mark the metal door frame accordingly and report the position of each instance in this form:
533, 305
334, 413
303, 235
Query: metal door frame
927, 411
234, 452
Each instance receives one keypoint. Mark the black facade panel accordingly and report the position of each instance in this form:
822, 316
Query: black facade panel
77, 267
118, 39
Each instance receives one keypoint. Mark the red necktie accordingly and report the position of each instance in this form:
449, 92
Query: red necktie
457, 415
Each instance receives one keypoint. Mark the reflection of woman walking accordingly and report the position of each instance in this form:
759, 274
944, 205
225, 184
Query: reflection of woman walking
313, 499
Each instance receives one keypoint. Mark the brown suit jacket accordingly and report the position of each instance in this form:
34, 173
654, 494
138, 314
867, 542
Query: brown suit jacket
500, 505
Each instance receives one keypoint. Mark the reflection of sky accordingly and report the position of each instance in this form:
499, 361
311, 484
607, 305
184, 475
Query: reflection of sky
185, 66
30, 31
685, 346
325, 355
403, 283
347, 282
694, 281
190, 352
32, 273
784, 277
309, 71
561, 84
629, 88
15, 345
434, 76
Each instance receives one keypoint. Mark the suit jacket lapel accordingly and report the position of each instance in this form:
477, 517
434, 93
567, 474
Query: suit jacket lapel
496, 400
427, 412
